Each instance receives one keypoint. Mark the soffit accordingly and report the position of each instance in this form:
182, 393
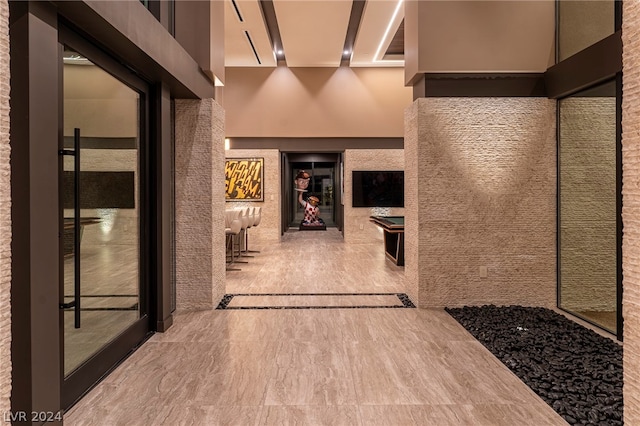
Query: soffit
312, 32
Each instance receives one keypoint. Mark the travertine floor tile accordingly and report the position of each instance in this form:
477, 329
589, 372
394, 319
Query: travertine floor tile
342, 415
386, 415
310, 373
484, 415
396, 366
315, 300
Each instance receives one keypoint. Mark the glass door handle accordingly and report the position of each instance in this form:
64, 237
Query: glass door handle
75, 152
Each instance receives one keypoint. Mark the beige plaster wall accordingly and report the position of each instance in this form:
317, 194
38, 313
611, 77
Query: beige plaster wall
480, 192
200, 238
631, 209
315, 102
479, 36
5, 215
588, 246
357, 228
268, 231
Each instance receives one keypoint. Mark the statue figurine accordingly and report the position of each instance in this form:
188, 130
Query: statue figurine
310, 205
302, 181
311, 211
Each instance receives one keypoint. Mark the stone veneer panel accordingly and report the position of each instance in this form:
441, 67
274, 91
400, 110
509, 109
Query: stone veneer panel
354, 217
480, 191
631, 209
588, 248
268, 231
5, 215
200, 238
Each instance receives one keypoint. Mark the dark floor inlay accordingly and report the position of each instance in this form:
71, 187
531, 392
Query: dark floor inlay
575, 370
226, 299
406, 302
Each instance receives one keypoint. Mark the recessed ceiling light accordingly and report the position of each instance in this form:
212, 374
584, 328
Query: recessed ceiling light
346, 52
280, 52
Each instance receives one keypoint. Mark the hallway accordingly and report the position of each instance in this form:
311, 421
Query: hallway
392, 366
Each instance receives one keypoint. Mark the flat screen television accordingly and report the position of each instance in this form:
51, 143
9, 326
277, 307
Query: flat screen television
378, 188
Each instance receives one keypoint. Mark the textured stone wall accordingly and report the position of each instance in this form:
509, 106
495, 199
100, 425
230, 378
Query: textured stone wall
413, 129
5, 215
480, 194
631, 208
200, 239
268, 231
588, 247
357, 228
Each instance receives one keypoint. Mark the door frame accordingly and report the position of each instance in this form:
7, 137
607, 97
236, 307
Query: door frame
90, 372
35, 120
287, 160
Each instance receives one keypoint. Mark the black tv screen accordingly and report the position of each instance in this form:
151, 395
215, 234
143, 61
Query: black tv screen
378, 188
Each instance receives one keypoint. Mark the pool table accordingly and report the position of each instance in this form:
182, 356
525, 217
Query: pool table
393, 228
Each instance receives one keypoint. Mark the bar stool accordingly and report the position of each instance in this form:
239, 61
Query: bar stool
245, 220
232, 224
250, 222
257, 217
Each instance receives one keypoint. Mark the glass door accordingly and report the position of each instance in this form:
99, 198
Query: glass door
103, 311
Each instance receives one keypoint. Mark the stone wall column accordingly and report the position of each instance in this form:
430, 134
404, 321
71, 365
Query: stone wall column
480, 201
5, 215
631, 209
200, 204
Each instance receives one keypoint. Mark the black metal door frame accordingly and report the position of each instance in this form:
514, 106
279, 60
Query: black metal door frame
88, 374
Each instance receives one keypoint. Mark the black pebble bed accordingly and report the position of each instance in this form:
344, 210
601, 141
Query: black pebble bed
573, 369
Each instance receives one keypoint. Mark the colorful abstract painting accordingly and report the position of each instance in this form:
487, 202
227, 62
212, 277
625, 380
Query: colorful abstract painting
243, 179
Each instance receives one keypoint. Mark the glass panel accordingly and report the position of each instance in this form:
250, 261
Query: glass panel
583, 23
588, 205
107, 113
323, 177
298, 211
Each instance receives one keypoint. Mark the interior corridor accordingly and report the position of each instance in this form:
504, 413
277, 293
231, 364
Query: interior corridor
386, 364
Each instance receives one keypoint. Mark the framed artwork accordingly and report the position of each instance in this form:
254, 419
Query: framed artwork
243, 179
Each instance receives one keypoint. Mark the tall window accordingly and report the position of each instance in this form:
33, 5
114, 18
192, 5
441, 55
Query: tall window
588, 212
589, 169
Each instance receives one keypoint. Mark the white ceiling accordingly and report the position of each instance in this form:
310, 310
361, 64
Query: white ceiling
312, 32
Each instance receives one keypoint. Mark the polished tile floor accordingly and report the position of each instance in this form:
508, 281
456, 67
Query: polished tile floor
342, 366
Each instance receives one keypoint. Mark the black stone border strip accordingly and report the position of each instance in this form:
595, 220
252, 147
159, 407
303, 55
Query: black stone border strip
226, 299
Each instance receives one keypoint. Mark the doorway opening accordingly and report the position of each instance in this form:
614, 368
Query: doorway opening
325, 184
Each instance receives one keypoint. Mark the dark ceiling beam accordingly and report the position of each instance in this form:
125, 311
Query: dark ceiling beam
595, 64
396, 47
357, 8
271, 22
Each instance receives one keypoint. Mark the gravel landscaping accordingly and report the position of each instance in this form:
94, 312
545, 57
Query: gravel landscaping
575, 370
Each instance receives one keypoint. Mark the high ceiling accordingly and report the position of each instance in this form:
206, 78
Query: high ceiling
313, 33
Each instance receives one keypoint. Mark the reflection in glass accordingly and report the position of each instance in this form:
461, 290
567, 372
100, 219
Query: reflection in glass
588, 206
107, 113
583, 23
